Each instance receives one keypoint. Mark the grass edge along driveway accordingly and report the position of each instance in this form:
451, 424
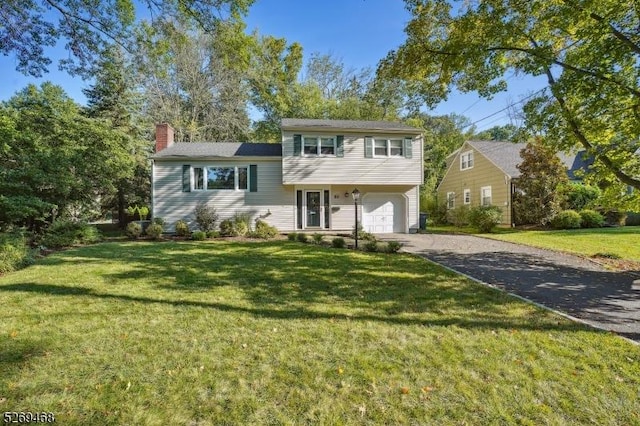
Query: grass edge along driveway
283, 332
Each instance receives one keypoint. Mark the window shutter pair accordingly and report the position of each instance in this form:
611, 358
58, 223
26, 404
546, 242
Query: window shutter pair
297, 145
253, 178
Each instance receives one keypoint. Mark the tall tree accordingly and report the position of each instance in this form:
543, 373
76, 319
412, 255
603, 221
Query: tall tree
588, 51
58, 159
537, 198
88, 27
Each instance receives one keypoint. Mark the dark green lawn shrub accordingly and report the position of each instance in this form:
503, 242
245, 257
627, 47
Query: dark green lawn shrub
198, 235
567, 219
63, 233
302, 237
371, 246
393, 246
158, 221
14, 253
213, 234
134, 230
227, 228
615, 217
338, 242
264, 230
459, 216
182, 228
292, 236
485, 218
155, 231
577, 196
206, 217
317, 238
591, 219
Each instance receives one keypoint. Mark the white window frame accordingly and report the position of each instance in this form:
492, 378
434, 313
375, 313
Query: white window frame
236, 178
387, 142
467, 196
482, 196
451, 200
466, 160
318, 140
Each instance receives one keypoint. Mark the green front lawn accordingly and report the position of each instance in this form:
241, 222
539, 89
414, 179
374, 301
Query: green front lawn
281, 332
622, 242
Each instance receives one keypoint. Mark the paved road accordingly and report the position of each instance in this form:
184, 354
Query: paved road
570, 284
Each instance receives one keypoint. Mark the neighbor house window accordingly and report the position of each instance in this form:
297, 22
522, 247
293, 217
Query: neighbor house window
467, 196
466, 160
485, 195
198, 178
221, 178
388, 147
314, 145
451, 200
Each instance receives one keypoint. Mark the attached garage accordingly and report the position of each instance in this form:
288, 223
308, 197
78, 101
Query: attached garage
384, 213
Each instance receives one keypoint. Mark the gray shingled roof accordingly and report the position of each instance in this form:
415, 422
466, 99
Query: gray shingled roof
506, 155
362, 125
220, 149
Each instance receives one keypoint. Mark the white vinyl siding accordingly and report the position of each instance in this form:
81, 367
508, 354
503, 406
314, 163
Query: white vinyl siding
354, 168
273, 202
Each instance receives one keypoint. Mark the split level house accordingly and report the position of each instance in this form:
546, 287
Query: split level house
486, 173
303, 183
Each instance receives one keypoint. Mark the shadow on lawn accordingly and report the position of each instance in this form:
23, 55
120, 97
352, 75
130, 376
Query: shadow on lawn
486, 322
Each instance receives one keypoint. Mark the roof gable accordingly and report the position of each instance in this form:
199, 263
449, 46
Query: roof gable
220, 149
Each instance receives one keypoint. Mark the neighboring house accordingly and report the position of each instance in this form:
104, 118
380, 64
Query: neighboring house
303, 183
484, 173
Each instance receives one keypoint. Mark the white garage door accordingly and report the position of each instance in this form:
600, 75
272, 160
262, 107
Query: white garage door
383, 213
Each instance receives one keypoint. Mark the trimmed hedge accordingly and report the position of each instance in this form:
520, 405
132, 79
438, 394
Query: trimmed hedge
591, 219
567, 219
63, 233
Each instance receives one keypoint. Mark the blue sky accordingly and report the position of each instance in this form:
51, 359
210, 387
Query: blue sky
359, 32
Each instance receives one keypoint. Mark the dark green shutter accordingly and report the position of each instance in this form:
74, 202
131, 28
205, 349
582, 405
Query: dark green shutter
186, 178
368, 147
408, 152
297, 145
253, 178
340, 146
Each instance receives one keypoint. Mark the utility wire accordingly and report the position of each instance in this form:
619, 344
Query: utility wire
505, 108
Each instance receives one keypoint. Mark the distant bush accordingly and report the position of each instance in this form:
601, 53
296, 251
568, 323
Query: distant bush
591, 219
485, 218
206, 217
338, 242
182, 228
393, 246
264, 230
436, 209
158, 221
459, 216
227, 228
63, 233
292, 236
155, 231
213, 234
14, 253
567, 219
302, 237
577, 196
198, 235
317, 238
134, 230
371, 246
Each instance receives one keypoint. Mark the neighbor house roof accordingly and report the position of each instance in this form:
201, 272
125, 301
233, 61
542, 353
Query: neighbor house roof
506, 155
357, 125
220, 149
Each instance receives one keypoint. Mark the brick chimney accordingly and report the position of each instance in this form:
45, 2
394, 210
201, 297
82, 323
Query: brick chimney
164, 136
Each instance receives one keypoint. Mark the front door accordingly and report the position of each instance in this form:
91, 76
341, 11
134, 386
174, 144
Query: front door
313, 208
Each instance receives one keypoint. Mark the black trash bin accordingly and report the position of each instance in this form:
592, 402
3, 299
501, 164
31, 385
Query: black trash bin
423, 221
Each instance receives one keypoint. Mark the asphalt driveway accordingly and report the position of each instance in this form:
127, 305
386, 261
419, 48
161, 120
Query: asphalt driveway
569, 284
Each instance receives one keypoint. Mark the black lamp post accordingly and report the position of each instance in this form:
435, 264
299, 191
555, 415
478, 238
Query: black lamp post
356, 196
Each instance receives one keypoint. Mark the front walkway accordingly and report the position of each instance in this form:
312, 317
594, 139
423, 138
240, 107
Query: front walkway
569, 284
